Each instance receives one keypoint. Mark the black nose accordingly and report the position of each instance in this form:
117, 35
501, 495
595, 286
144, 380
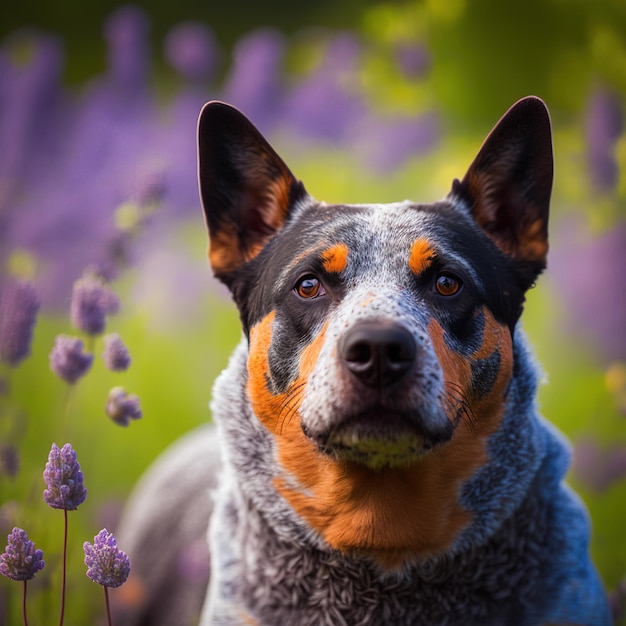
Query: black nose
377, 353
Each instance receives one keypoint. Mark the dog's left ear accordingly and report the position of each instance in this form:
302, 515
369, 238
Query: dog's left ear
247, 191
508, 186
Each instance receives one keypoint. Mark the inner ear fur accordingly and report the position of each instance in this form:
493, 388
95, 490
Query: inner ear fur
246, 189
508, 186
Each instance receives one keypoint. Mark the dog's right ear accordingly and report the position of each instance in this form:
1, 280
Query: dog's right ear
246, 189
508, 186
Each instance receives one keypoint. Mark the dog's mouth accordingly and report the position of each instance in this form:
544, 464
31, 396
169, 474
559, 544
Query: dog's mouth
380, 438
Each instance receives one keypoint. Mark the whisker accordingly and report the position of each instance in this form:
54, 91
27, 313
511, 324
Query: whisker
290, 405
457, 400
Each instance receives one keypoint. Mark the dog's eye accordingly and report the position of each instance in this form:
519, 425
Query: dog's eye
309, 287
448, 285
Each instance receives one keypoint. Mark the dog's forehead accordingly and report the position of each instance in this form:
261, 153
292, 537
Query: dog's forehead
372, 238
384, 222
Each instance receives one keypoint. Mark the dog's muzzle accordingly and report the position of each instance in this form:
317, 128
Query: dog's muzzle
383, 425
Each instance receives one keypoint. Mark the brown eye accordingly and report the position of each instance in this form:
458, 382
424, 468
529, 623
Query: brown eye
447, 285
309, 287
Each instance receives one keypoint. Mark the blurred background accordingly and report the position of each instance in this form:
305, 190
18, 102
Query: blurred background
366, 101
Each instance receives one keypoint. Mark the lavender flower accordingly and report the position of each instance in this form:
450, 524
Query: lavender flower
121, 407
19, 305
106, 564
64, 479
9, 460
413, 59
591, 263
191, 50
150, 187
92, 301
604, 124
327, 104
20, 560
254, 81
116, 356
68, 359
126, 31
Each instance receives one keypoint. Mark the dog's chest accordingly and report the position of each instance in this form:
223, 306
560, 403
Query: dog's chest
282, 583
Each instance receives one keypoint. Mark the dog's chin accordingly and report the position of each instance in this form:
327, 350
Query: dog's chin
377, 440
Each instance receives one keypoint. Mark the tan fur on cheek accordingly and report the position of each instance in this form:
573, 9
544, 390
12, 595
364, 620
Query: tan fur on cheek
277, 411
265, 405
486, 412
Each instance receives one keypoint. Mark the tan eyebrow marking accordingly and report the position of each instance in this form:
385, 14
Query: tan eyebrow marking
421, 257
335, 258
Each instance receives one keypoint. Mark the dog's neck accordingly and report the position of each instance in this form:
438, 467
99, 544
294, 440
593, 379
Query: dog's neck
281, 581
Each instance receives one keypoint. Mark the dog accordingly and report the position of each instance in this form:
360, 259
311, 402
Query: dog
377, 456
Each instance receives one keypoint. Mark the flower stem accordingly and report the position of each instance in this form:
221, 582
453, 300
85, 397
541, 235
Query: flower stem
64, 570
106, 602
24, 618
69, 397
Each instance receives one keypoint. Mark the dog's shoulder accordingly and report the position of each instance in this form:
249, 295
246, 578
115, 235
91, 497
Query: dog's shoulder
164, 529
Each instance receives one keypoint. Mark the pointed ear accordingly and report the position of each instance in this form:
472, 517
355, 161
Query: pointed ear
508, 186
246, 189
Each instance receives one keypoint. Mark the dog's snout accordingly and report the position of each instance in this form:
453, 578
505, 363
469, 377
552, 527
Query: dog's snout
377, 354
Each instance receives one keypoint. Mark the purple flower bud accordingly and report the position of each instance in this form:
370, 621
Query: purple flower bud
106, 564
150, 188
20, 560
91, 303
9, 460
604, 125
18, 313
413, 59
68, 360
122, 407
254, 83
126, 31
64, 479
191, 50
116, 356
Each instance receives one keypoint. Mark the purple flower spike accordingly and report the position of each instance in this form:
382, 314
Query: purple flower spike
64, 479
604, 126
106, 564
151, 187
191, 50
19, 305
9, 460
68, 360
127, 33
20, 560
91, 303
122, 407
116, 356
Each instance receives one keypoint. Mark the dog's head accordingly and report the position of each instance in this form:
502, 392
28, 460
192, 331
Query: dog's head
380, 336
